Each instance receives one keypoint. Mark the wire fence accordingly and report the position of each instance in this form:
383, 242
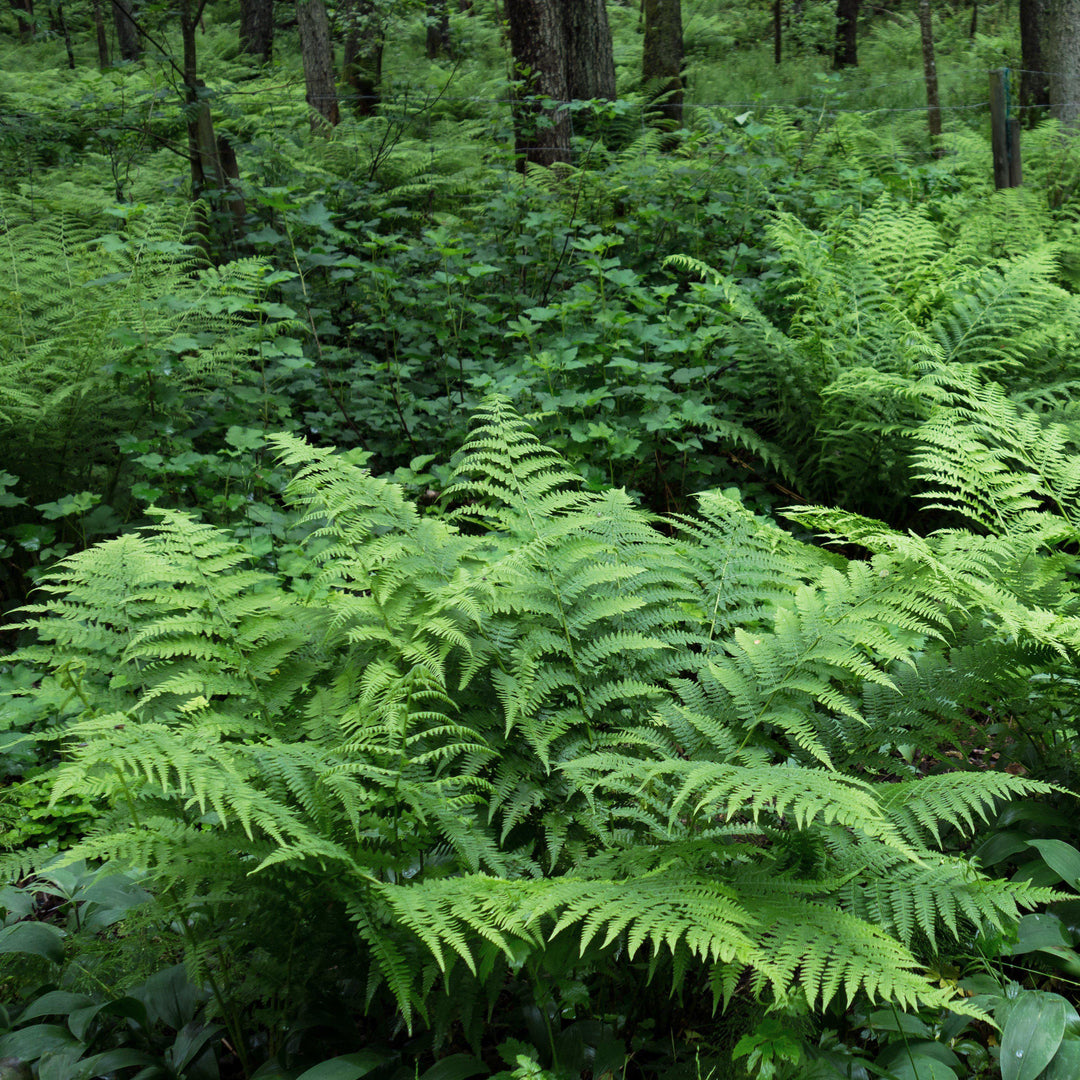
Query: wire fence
828, 102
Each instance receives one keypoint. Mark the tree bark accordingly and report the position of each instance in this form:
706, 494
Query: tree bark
199, 119
590, 63
1061, 49
1034, 83
257, 28
318, 57
847, 34
362, 62
662, 56
127, 33
24, 13
438, 28
66, 34
541, 127
778, 32
933, 100
102, 38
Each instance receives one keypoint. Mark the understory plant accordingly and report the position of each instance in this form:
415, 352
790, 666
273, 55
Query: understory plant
527, 738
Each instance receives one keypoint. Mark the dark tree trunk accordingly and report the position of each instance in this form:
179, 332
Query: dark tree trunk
210, 181
127, 33
24, 13
590, 64
541, 127
102, 38
778, 32
318, 57
198, 105
973, 28
847, 34
438, 29
230, 181
662, 56
257, 28
933, 101
362, 64
66, 35
1061, 51
1034, 83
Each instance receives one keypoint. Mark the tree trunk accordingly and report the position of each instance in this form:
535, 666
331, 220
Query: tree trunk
778, 32
24, 13
127, 33
1034, 84
590, 64
438, 28
847, 34
973, 28
1061, 50
210, 180
933, 101
362, 63
66, 34
197, 103
257, 28
102, 38
662, 56
541, 127
318, 62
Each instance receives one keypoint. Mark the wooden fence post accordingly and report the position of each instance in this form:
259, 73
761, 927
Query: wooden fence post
1004, 133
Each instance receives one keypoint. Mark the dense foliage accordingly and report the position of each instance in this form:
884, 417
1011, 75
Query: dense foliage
615, 619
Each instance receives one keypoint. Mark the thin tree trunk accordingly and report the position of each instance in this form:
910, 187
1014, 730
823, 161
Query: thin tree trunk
127, 34
102, 38
541, 124
973, 28
847, 34
933, 101
778, 41
590, 63
24, 13
1061, 48
1034, 83
362, 62
662, 56
318, 62
438, 28
257, 28
209, 180
66, 34
196, 101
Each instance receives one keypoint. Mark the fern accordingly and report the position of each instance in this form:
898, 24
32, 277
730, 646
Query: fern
866, 309
540, 719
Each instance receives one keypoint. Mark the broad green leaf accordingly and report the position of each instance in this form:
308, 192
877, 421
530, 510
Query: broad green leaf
1062, 858
1032, 1035
54, 1003
1066, 1062
346, 1067
456, 1067
887, 1020
1040, 931
922, 1068
110, 1061
29, 1043
190, 1041
37, 938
